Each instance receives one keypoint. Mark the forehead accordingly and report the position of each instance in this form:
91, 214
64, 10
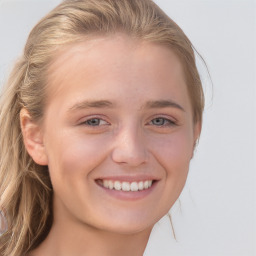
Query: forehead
113, 62
114, 49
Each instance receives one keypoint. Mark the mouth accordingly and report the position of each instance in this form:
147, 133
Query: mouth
126, 186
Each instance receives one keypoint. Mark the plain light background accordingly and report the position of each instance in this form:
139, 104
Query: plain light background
216, 213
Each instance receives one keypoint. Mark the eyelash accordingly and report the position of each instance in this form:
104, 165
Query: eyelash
165, 122
87, 122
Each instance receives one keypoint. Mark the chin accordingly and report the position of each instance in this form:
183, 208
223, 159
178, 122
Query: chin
126, 225
125, 229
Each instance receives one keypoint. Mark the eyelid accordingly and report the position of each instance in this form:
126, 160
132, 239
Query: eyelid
82, 121
163, 116
167, 122
92, 119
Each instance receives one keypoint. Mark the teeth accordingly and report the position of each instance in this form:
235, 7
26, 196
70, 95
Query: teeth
146, 184
127, 186
134, 186
141, 185
105, 183
117, 185
110, 184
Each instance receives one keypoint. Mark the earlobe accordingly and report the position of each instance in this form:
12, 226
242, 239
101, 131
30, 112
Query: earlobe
33, 138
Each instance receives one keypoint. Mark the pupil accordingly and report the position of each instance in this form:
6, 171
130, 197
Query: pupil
159, 121
93, 122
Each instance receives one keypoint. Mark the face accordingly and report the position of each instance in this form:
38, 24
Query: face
117, 133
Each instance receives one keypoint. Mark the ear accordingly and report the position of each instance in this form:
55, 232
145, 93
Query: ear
197, 132
33, 138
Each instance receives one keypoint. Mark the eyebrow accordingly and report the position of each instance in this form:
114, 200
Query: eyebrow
163, 104
92, 104
109, 104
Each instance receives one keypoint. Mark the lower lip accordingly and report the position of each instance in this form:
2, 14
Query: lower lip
129, 195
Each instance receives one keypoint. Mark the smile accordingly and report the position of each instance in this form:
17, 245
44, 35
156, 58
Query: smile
125, 185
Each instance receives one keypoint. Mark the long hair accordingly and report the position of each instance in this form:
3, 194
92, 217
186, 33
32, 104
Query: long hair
25, 187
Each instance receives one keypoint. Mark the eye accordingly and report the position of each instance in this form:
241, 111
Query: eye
160, 121
95, 122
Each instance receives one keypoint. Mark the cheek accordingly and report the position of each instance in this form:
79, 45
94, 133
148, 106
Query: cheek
72, 159
71, 155
175, 148
174, 153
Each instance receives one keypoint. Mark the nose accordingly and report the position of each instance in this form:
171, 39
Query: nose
130, 148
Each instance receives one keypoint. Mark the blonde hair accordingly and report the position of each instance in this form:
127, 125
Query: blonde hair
25, 189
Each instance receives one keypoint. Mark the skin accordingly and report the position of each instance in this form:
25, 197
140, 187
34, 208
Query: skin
137, 133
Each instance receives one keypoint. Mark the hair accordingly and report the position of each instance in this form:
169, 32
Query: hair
25, 189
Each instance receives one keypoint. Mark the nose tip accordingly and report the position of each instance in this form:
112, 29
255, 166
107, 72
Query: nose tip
130, 150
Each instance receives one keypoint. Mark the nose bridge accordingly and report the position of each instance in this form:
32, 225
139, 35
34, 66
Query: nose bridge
129, 146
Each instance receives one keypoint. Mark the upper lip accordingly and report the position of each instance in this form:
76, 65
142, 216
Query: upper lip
128, 178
